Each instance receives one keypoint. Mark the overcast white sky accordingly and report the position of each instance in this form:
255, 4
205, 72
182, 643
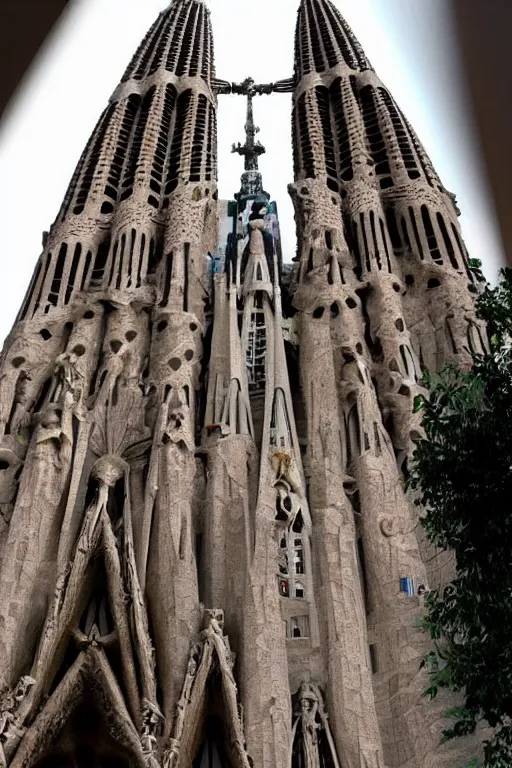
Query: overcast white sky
409, 42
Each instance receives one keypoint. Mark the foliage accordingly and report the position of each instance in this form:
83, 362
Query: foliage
462, 472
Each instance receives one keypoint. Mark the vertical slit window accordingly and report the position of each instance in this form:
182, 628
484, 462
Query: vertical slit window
121, 151
30, 291
43, 280
363, 574
316, 44
337, 100
365, 242
87, 267
122, 250
100, 263
199, 139
53, 297
149, 50
417, 237
209, 143
461, 248
338, 25
186, 254
130, 260
447, 241
92, 160
405, 145
176, 38
186, 43
199, 31
394, 234
406, 234
326, 36
206, 61
355, 240
375, 240
430, 234
113, 264
136, 145
184, 106
385, 241
141, 260
72, 274
167, 279
322, 100
377, 145
306, 145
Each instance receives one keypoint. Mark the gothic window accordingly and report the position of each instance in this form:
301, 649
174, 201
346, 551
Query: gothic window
291, 560
298, 627
256, 352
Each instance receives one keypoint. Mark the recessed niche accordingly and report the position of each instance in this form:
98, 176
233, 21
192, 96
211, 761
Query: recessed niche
17, 362
45, 333
131, 335
79, 350
175, 363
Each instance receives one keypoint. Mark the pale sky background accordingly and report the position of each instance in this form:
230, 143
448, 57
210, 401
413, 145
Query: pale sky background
409, 42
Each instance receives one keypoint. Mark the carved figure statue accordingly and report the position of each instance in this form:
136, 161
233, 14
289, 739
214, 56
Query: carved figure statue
10, 703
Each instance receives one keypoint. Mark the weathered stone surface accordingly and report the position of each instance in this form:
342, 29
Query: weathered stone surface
206, 553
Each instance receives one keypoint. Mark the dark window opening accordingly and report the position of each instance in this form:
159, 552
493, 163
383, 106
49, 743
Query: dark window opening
447, 241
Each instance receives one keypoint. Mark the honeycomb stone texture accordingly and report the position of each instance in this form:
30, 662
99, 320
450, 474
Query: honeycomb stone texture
207, 557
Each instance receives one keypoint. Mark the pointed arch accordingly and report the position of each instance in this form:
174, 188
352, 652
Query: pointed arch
211, 654
89, 677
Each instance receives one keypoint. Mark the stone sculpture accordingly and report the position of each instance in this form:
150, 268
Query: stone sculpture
206, 552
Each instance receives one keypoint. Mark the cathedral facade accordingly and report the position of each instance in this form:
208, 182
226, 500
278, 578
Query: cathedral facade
207, 555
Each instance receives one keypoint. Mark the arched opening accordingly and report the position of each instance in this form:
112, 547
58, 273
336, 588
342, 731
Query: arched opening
85, 742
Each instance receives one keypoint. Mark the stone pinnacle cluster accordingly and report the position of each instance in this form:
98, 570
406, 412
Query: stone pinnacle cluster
207, 558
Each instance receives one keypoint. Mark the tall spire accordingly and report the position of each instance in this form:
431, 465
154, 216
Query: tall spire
324, 40
383, 289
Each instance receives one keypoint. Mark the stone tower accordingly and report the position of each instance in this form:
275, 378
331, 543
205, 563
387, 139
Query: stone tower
207, 556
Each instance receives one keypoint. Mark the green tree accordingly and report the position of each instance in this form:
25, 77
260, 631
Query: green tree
462, 472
